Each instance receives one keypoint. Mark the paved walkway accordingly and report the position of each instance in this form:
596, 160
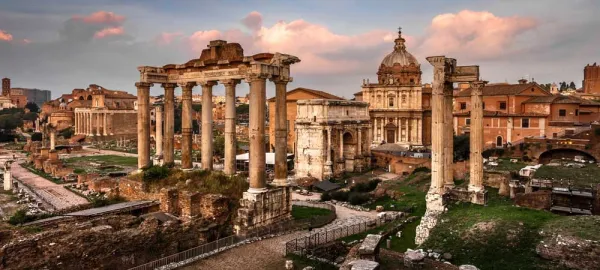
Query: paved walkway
55, 194
89, 150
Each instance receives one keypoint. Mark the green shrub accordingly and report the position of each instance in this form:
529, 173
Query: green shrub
365, 186
497, 152
325, 196
340, 195
155, 173
526, 158
67, 133
422, 169
357, 198
588, 146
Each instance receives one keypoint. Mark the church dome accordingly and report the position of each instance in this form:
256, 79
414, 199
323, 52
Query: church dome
399, 55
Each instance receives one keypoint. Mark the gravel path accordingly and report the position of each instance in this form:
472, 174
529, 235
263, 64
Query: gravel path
55, 194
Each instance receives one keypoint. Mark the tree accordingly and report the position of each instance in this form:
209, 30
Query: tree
219, 144
32, 107
546, 86
242, 109
572, 85
563, 86
462, 147
197, 107
30, 116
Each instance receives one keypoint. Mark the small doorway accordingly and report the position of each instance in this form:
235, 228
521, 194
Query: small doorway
499, 141
391, 136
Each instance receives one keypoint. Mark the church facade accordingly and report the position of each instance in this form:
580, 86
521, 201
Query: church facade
399, 106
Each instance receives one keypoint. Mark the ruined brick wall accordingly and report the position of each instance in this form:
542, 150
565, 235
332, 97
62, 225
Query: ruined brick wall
133, 190
124, 124
541, 199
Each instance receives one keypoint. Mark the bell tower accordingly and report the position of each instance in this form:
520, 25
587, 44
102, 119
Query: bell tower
6, 87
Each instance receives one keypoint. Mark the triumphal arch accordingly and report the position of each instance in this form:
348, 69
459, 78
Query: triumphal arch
225, 63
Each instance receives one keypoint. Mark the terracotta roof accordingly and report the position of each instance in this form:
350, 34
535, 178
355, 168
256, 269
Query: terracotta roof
502, 114
501, 89
320, 94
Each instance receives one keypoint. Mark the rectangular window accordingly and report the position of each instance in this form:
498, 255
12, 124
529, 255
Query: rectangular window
463, 105
525, 123
391, 101
502, 105
562, 112
576, 112
483, 105
468, 121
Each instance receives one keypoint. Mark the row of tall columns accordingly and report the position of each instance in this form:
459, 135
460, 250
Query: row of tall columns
448, 135
476, 137
92, 123
143, 124
230, 120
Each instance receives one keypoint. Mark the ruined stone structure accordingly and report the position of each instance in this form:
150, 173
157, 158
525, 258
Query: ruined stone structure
291, 98
399, 105
445, 73
111, 113
591, 79
333, 137
225, 63
17, 98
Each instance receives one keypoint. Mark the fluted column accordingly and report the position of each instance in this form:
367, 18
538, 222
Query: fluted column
230, 119
76, 123
359, 143
476, 137
207, 126
448, 137
437, 125
186, 125
88, 125
169, 140
158, 137
143, 124
105, 124
280, 132
257, 133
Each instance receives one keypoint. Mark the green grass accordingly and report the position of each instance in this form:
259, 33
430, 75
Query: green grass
105, 160
409, 232
42, 174
590, 174
303, 212
509, 244
585, 227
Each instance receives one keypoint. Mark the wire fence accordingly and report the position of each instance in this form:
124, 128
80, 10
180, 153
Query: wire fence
229, 241
302, 244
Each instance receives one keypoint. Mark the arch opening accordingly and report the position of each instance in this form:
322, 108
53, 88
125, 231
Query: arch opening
564, 153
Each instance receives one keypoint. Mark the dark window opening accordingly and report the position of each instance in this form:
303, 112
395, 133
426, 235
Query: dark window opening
468, 121
562, 112
463, 105
502, 105
525, 123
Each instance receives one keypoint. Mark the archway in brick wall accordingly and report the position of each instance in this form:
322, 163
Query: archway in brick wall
560, 153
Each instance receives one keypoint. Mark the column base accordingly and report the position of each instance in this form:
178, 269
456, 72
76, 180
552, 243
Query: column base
281, 182
479, 197
259, 210
449, 186
257, 190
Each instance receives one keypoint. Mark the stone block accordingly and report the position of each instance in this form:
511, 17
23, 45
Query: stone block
364, 265
379, 208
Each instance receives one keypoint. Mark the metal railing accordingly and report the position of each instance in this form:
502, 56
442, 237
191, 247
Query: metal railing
301, 244
227, 242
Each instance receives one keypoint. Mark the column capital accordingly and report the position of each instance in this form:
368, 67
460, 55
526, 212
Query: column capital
229, 82
204, 83
186, 85
477, 87
282, 80
143, 84
169, 85
251, 77
158, 106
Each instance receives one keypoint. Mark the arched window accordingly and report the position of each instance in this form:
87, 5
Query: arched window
499, 141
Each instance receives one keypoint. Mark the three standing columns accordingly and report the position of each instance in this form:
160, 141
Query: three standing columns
207, 125
186, 126
169, 140
230, 120
437, 126
280, 132
476, 137
257, 133
143, 124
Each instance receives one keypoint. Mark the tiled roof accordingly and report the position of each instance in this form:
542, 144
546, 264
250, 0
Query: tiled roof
320, 94
501, 114
500, 89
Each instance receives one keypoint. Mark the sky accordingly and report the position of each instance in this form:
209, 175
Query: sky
61, 45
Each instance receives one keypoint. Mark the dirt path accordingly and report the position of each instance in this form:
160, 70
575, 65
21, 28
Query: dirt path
341, 212
89, 150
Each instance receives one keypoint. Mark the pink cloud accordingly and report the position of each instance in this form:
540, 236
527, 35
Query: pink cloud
25, 41
310, 42
110, 31
5, 36
475, 34
101, 17
167, 38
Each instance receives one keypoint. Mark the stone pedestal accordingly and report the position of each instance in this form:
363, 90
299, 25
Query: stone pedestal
7, 180
479, 197
263, 209
327, 170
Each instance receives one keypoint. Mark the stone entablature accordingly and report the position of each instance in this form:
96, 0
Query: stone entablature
333, 137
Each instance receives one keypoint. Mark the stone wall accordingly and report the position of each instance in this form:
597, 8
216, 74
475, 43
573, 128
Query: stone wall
115, 242
541, 199
262, 209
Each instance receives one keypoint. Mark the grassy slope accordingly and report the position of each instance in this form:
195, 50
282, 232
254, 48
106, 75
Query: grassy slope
510, 244
580, 176
106, 160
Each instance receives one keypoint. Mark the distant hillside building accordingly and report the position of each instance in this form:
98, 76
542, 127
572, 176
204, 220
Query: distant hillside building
34, 95
17, 98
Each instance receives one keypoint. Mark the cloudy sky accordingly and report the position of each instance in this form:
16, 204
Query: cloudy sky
64, 44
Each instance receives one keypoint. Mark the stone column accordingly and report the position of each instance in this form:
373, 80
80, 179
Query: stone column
359, 142
419, 131
328, 164
169, 140
230, 119
8, 184
281, 168
257, 133
158, 135
448, 136
476, 137
342, 144
105, 124
110, 123
88, 125
52, 140
143, 124
207, 126
186, 125
437, 126
374, 129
